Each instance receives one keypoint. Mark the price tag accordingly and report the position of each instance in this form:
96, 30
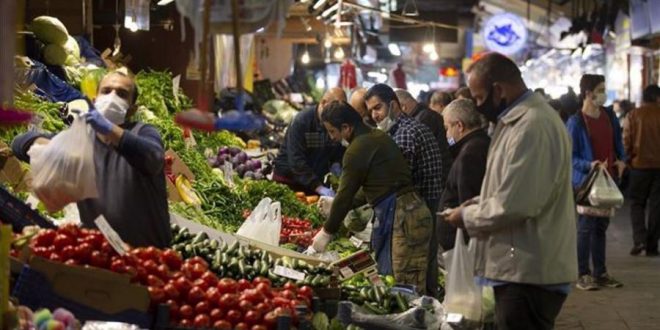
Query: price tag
346, 272
289, 273
228, 171
111, 235
454, 318
356, 241
374, 278
176, 82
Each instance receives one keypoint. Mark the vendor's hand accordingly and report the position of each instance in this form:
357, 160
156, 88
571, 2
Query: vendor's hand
324, 191
595, 163
455, 217
321, 241
99, 123
335, 169
325, 205
620, 167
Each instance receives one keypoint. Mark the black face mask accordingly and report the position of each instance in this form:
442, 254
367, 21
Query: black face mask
490, 111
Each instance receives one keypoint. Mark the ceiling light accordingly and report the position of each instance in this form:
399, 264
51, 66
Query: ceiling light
433, 56
164, 2
305, 58
428, 48
261, 29
339, 53
394, 49
329, 11
318, 4
327, 43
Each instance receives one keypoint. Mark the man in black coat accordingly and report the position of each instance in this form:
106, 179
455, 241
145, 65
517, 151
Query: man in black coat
469, 147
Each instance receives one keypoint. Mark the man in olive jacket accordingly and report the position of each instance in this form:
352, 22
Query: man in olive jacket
524, 220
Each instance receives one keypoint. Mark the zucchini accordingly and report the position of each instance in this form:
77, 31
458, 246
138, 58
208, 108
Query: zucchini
214, 244
372, 307
241, 267
401, 302
233, 248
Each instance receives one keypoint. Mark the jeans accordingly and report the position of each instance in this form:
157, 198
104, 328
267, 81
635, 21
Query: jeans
591, 244
645, 192
524, 306
432, 274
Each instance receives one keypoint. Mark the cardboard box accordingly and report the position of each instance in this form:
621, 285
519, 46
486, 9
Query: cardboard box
11, 172
178, 167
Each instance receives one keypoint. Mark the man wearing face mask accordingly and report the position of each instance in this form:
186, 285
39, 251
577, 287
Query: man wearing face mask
469, 148
307, 154
524, 219
129, 161
374, 165
422, 151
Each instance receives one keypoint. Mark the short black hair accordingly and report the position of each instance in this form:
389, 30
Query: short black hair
385, 93
589, 82
495, 67
134, 90
337, 113
651, 94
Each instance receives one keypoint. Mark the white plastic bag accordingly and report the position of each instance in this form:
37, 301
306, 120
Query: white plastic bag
264, 223
604, 192
63, 170
463, 295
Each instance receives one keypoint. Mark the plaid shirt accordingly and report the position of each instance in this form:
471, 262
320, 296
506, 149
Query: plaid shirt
422, 152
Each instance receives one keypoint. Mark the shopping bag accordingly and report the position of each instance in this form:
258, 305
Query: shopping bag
462, 295
264, 223
63, 170
604, 192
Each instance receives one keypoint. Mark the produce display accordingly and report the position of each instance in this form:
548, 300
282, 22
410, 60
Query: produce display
244, 166
23, 318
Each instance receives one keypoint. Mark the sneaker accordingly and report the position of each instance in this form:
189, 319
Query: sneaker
608, 282
586, 283
637, 249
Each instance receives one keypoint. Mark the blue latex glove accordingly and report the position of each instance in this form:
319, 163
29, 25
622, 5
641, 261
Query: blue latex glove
335, 169
323, 191
99, 123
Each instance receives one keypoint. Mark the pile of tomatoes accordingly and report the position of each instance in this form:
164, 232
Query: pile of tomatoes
195, 295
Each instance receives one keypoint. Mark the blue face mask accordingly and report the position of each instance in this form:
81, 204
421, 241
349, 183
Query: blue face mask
451, 141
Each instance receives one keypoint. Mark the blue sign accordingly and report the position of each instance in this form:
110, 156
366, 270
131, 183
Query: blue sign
504, 33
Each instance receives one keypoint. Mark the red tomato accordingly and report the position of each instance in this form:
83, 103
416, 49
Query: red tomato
107, 248
195, 295
83, 252
117, 265
186, 311
163, 271
306, 291
216, 314
234, 316
227, 285
304, 300
201, 284
182, 284
290, 286
253, 295
172, 259
259, 327
209, 278
270, 319
227, 301
288, 294
198, 260
252, 317
282, 310
197, 271
140, 273
150, 253
244, 284
264, 289
185, 323
202, 307
262, 308
170, 291
41, 251
61, 240
213, 295
151, 267
71, 262
245, 305
202, 321
157, 294
55, 257
68, 252
95, 240
45, 237
70, 230
222, 325
241, 326
99, 259
174, 308
153, 280
261, 279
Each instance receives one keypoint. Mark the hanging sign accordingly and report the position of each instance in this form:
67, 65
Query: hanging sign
504, 33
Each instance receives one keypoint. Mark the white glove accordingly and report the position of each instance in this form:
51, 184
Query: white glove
321, 241
325, 204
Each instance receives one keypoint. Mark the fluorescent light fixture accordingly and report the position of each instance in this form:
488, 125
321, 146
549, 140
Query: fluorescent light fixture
261, 29
318, 4
164, 2
428, 48
305, 58
328, 11
394, 49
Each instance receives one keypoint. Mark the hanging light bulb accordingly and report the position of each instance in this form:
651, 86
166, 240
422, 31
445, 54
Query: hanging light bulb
428, 48
305, 58
327, 43
339, 53
433, 56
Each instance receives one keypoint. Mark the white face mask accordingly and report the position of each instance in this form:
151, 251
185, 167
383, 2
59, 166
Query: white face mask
387, 123
112, 107
599, 99
451, 141
344, 142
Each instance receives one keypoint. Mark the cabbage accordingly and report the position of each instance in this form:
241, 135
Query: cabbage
73, 51
50, 30
54, 54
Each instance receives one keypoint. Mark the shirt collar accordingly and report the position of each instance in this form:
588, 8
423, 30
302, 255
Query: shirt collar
527, 94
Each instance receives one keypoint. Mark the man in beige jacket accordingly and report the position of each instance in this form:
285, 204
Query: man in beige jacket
524, 218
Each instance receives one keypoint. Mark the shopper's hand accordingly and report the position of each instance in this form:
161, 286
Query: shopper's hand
454, 217
324, 191
325, 205
595, 163
321, 241
99, 123
620, 167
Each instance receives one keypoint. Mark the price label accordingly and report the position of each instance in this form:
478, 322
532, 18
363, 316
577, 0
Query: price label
176, 81
346, 272
289, 273
356, 241
228, 171
454, 318
111, 235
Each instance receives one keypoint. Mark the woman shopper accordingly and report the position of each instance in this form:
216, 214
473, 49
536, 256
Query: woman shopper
596, 136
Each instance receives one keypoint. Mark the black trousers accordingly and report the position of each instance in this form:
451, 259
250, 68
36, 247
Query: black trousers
432, 273
645, 194
524, 307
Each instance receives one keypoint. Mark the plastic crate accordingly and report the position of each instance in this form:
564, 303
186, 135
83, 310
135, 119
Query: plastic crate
18, 214
33, 290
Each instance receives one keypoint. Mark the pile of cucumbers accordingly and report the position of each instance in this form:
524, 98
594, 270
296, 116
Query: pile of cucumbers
240, 262
378, 300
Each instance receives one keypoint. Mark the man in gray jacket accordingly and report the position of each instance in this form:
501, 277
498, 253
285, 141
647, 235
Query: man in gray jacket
524, 218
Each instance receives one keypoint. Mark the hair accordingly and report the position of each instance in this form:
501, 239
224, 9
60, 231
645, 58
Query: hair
464, 111
403, 95
337, 113
588, 83
495, 67
651, 94
463, 92
440, 97
124, 73
383, 92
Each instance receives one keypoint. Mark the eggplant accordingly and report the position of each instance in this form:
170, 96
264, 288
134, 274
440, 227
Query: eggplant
241, 169
223, 151
242, 156
234, 151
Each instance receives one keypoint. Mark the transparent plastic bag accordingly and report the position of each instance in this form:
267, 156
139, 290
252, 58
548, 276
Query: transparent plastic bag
463, 296
604, 192
63, 170
264, 223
